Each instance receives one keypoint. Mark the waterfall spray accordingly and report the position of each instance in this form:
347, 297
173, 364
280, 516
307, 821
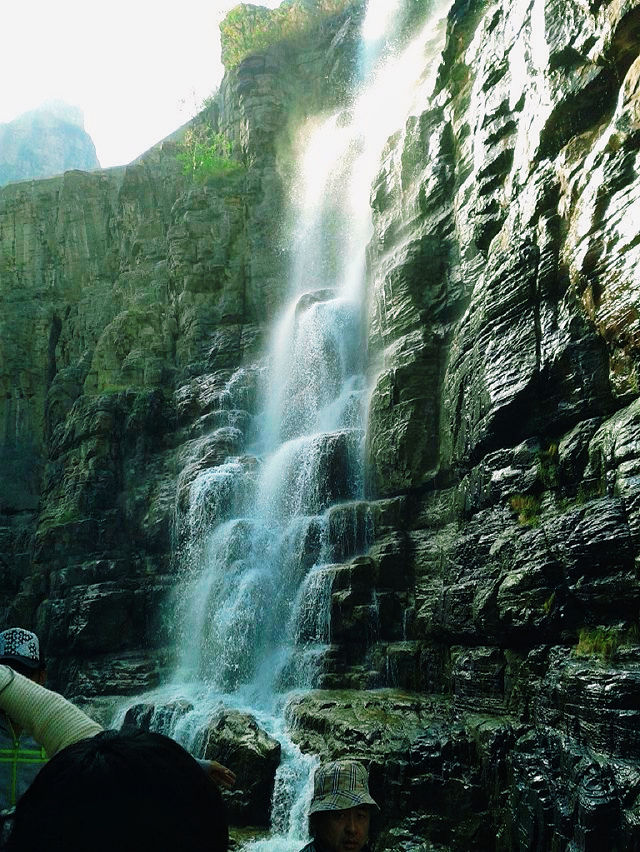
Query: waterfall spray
258, 598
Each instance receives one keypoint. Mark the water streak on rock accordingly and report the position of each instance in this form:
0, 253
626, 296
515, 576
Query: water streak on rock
261, 538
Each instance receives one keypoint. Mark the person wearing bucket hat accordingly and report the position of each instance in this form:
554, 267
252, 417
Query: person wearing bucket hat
340, 810
21, 757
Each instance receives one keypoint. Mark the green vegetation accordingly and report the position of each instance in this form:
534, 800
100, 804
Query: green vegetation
600, 641
548, 466
248, 28
589, 491
586, 492
632, 636
8, 263
65, 515
111, 389
547, 606
604, 642
527, 507
205, 154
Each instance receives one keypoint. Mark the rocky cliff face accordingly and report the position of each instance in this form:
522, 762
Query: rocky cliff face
44, 142
129, 299
497, 609
504, 421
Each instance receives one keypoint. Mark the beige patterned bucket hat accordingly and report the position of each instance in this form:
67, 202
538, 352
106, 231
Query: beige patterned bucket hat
339, 785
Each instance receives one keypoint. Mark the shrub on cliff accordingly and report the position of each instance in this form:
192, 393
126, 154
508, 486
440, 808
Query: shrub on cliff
248, 28
603, 642
204, 153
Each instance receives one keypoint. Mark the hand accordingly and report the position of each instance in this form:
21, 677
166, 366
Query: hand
222, 776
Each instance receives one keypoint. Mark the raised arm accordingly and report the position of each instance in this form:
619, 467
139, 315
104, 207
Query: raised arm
50, 719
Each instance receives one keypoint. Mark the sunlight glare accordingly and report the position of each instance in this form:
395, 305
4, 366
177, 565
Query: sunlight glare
379, 14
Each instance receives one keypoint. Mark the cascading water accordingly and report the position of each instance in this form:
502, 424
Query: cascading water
260, 541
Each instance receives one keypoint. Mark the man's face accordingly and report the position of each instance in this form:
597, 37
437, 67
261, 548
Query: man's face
343, 831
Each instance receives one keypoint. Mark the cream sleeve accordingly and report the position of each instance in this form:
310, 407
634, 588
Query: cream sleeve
50, 719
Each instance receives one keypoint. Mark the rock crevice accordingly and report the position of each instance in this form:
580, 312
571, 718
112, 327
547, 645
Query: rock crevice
484, 648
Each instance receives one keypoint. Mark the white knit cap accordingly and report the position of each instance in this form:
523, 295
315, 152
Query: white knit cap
18, 645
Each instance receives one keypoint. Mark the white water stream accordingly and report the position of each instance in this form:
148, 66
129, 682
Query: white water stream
256, 614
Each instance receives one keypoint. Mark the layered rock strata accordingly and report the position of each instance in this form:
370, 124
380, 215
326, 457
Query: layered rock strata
503, 431
484, 652
129, 299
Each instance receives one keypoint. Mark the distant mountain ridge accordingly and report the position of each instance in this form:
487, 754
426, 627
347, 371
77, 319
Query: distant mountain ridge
44, 142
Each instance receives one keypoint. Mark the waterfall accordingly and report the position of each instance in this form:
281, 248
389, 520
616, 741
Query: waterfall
257, 593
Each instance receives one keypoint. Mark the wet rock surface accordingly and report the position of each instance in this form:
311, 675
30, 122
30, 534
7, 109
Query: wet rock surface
236, 740
505, 410
231, 738
130, 299
484, 657
465, 779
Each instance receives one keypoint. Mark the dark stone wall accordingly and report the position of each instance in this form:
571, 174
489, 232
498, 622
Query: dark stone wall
129, 298
485, 655
503, 449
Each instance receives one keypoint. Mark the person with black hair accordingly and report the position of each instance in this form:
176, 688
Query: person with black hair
133, 791
23, 754
107, 790
21, 757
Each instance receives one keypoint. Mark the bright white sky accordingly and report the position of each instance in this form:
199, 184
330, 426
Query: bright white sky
137, 68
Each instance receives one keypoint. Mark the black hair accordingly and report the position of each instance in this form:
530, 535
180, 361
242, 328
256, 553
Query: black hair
26, 671
313, 825
131, 791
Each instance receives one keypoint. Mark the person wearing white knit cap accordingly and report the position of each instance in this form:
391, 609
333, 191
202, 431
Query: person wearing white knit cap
134, 791
21, 756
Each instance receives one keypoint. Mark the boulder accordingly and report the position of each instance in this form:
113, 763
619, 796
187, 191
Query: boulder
236, 740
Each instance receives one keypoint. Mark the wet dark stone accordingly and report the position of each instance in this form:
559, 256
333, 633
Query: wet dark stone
236, 740
160, 718
350, 530
313, 297
478, 679
595, 701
